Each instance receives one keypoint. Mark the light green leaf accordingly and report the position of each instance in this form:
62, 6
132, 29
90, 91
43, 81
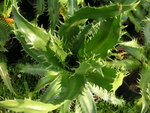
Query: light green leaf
143, 84
4, 73
5, 8
147, 32
35, 41
127, 64
27, 106
106, 96
118, 80
134, 49
72, 6
33, 69
86, 102
65, 108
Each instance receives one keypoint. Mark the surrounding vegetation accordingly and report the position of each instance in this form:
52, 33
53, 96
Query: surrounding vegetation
75, 56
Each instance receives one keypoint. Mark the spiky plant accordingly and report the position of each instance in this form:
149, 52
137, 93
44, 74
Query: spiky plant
139, 59
72, 59
5, 30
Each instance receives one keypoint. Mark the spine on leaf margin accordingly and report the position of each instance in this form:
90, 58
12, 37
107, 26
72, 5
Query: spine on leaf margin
101, 13
144, 83
4, 74
36, 42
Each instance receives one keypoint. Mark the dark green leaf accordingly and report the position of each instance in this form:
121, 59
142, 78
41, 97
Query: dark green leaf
4, 73
100, 80
91, 13
106, 38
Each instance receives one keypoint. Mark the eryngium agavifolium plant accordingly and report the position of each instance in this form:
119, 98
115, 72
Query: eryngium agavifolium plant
70, 60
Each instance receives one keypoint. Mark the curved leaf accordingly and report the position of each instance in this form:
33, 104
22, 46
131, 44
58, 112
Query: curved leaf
46, 80
40, 6
86, 102
105, 95
33, 69
52, 90
35, 41
143, 84
65, 108
102, 79
134, 49
106, 37
127, 64
71, 86
4, 73
91, 13
27, 106
118, 80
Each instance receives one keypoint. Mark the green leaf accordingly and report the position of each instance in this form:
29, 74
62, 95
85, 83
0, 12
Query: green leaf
127, 64
32, 38
72, 34
45, 81
52, 90
53, 10
33, 69
35, 54
106, 38
27, 106
83, 68
34, 35
103, 79
147, 32
86, 102
100, 13
57, 46
140, 11
5, 8
118, 80
35, 41
134, 49
143, 84
66, 1
63, 1
138, 26
5, 30
71, 86
105, 95
65, 108
40, 6
4, 73
79, 40
72, 6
